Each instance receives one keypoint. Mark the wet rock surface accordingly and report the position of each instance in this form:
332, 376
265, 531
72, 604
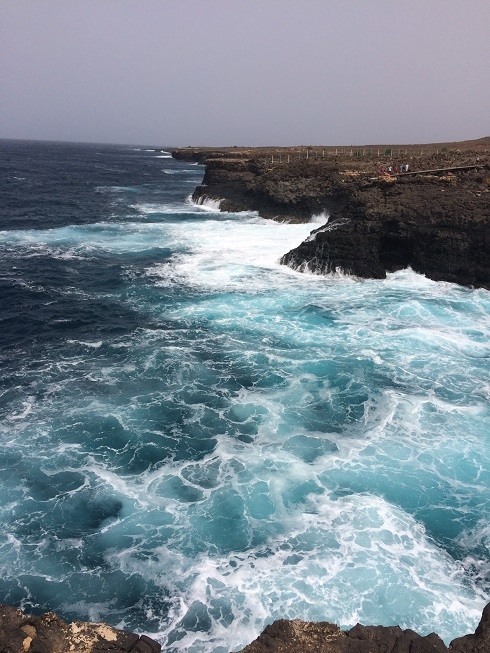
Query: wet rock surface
48, 633
436, 223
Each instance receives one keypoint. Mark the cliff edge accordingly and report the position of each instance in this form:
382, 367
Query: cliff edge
48, 633
306, 637
433, 218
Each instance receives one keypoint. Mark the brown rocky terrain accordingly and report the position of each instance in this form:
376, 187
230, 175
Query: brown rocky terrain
47, 633
305, 637
435, 218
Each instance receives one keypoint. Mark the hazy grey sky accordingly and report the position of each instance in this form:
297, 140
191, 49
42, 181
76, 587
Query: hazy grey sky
245, 72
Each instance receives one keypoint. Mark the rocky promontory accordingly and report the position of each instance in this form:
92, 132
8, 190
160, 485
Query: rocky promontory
433, 217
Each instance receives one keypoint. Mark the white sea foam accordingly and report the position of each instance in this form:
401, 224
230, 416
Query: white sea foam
151, 208
180, 171
207, 204
238, 249
93, 345
316, 568
320, 218
276, 444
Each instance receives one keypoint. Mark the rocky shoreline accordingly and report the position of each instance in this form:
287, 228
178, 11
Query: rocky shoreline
434, 219
296, 636
48, 633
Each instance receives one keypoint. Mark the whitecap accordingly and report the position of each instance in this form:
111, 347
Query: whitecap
207, 204
320, 218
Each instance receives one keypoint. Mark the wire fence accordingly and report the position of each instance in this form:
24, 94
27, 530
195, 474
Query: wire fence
364, 154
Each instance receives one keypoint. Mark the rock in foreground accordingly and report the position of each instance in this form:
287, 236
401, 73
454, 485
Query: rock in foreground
47, 633
306, 637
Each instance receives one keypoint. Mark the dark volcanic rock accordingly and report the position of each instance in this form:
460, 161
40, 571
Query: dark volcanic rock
47, 633
438, 224
291, 192
305, 637
477, 643
297, 636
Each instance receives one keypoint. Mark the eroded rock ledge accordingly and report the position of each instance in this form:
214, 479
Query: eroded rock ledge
48, 633
305, 637
436, 223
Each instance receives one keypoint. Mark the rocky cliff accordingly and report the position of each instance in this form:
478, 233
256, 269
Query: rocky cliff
47, 633
305, 637
434, 219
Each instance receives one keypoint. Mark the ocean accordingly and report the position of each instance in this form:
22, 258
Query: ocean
195, 440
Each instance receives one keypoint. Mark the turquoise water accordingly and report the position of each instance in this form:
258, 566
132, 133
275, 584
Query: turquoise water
196, 441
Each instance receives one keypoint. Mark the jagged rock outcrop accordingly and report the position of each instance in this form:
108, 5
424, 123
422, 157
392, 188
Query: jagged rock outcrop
438, 224
297, 636
479, 642
48, 633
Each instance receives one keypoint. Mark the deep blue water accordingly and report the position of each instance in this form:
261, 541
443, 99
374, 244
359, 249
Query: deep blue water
195, 440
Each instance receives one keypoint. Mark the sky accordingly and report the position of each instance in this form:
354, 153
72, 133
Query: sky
245, 72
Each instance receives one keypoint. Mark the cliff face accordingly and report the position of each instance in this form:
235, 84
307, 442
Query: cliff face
290, 192
437, 223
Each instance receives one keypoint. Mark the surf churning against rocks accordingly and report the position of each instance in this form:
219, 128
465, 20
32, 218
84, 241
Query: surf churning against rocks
195, 440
